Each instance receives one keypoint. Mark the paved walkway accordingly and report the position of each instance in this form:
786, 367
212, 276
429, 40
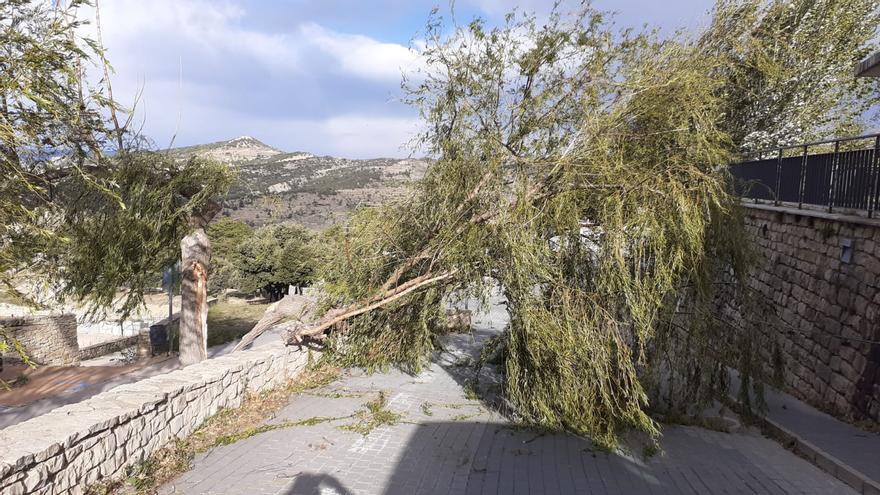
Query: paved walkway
837, 446
73, 384
448, 443
70, 384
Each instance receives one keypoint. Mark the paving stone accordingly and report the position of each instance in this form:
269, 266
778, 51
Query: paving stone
457, 445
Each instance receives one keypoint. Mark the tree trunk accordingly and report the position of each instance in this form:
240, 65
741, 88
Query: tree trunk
195, 252
195, 256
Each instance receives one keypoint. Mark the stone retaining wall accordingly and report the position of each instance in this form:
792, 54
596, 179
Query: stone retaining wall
72, 447
109, 347
48, 340
821, 273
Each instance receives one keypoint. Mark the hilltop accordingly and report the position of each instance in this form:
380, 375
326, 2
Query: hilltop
314, 191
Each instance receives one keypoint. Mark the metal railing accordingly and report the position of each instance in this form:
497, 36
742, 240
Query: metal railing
837, 173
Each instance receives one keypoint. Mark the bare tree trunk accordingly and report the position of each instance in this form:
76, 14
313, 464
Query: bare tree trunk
195, 255
195, 251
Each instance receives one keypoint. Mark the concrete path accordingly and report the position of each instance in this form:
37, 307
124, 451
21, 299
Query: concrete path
445, 442
68, 388
848, 452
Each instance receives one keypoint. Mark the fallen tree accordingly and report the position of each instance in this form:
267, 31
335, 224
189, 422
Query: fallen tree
582, 171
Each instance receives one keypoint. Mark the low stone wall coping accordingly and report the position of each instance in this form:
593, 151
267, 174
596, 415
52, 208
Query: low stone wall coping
108, 347
815, 213
73, 446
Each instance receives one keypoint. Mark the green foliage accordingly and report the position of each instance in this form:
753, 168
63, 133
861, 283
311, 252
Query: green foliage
226, 235
266, 260
140, 234
787, 68
374, 414
275, 257
582, 170
83, 221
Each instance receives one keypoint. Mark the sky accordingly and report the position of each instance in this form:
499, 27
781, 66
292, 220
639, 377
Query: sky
320, 76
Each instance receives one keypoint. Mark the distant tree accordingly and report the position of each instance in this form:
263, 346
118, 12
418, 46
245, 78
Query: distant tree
274, 258
226, 236
786, 68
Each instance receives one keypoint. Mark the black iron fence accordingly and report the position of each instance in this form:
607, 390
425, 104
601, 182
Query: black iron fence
840, 173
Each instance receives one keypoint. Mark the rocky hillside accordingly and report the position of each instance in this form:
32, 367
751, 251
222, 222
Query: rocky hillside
315, 191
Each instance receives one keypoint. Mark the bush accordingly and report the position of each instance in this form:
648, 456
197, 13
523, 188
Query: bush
226, 235
275, 257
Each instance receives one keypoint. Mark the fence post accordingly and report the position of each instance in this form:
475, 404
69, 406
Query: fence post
875, 171
778, 178
802, 179
835, 163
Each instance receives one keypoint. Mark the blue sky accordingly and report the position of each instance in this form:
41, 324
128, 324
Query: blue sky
316, 76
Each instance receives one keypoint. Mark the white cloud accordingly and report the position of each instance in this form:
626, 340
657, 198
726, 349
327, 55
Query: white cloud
362, 55
210, 27
301, 87
216, 29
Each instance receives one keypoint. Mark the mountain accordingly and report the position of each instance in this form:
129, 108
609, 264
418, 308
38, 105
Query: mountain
314, 191
239, 150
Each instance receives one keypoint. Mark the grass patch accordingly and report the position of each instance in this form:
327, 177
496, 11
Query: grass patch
7, 298
374, 415
464, 417
337, 395
241, 435
470, 392
230, 319
226, 427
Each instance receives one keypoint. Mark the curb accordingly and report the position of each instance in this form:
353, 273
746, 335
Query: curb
821, 459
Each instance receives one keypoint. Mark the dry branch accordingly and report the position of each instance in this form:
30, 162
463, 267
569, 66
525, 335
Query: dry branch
286, 307
291, 306
316, 331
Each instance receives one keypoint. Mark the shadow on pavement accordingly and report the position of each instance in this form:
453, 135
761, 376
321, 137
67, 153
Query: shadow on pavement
476, 458
317, 484
462, 457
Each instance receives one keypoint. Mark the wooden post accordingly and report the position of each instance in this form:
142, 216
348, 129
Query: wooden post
195, 251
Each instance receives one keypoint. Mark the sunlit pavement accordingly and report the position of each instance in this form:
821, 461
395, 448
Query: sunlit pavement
447, 443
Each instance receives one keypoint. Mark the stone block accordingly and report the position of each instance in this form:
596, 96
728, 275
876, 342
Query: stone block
120, 427
834, 363
49, 339
840, 383
17, 488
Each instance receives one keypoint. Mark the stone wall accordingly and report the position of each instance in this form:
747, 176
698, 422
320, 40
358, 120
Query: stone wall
48, 340
71, 447
109, 347
820, 274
